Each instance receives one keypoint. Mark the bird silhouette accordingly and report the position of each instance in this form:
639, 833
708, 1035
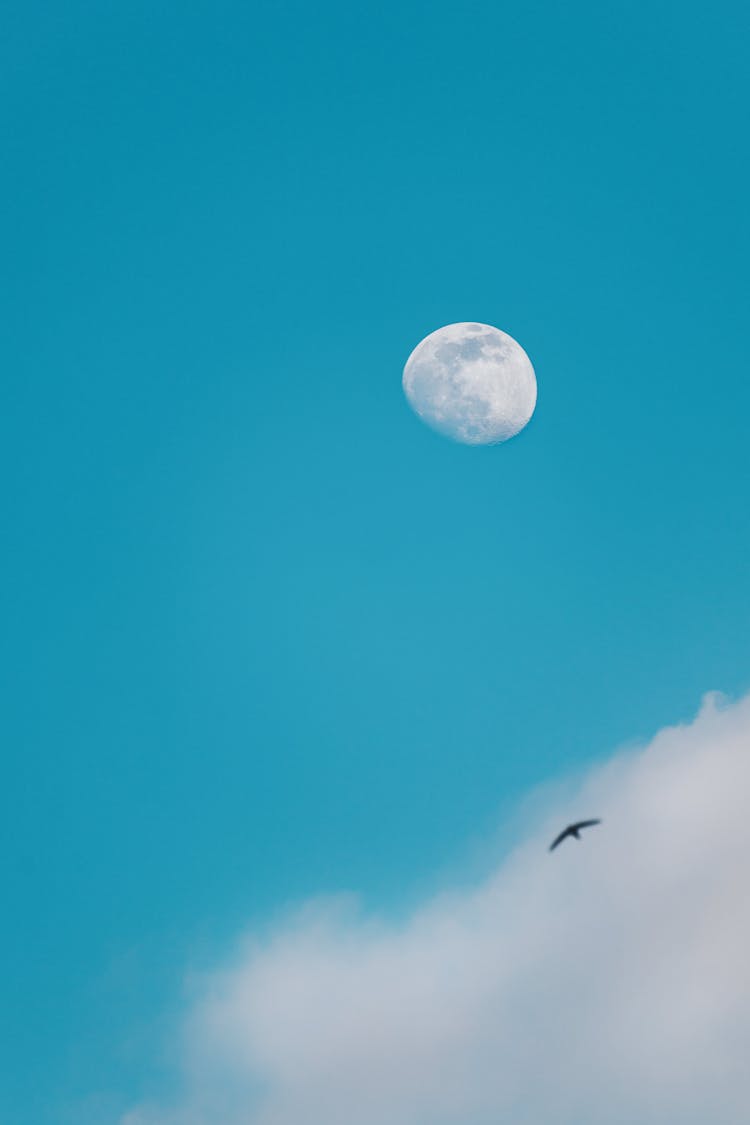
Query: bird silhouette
572, 830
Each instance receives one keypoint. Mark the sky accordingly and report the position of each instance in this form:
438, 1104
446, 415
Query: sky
269, 641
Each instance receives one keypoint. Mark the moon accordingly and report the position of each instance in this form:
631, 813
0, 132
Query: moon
471, 382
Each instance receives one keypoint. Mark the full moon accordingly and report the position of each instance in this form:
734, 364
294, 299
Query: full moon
471, 382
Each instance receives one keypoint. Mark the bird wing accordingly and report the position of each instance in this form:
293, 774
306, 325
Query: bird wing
586, 823
559, 839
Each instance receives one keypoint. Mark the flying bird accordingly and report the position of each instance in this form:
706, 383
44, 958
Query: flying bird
572, 830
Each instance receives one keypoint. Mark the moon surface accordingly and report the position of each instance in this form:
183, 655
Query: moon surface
471, 382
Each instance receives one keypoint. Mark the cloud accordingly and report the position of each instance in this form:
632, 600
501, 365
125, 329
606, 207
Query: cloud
607, 982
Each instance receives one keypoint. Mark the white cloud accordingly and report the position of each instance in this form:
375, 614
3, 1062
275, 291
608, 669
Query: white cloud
607, 982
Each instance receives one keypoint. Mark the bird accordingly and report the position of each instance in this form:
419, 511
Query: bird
572, 830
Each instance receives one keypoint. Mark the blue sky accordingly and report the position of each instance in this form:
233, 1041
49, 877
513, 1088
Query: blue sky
265, 635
